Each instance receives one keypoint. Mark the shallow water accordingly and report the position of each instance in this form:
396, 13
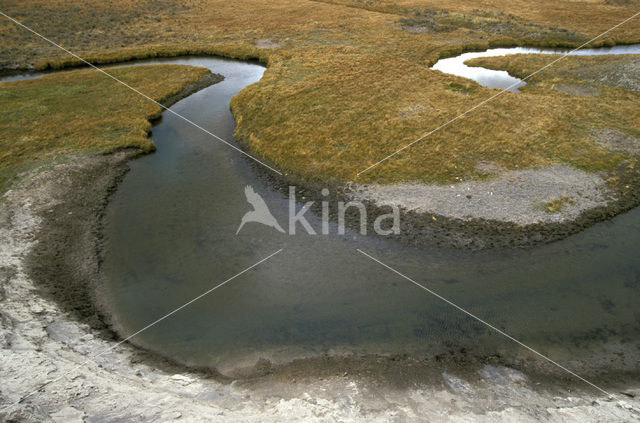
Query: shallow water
170, 235
501, 79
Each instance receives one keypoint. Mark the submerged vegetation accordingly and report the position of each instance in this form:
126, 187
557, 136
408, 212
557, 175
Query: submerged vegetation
82, 111
348, 82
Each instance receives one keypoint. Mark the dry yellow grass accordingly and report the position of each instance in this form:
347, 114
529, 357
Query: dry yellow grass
82, 111
612, 91
350, 82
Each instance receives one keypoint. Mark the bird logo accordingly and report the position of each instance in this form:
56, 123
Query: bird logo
260, 212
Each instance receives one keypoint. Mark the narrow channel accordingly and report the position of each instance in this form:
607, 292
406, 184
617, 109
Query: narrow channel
501, 79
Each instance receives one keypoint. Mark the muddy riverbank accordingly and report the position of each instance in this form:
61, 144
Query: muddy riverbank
64, 263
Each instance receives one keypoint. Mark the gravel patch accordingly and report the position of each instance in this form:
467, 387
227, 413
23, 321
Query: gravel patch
617, 141
267, 43
515, 196
624, 75
578, 89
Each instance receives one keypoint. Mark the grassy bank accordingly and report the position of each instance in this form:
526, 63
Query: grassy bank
348, 81
82, 111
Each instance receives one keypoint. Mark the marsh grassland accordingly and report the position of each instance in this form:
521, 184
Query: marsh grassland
348, 81
82, 111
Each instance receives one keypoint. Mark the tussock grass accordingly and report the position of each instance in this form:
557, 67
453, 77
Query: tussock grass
82, 111
556, 205
349, 84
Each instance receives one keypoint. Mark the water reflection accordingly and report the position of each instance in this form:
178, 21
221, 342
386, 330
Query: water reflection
501, 79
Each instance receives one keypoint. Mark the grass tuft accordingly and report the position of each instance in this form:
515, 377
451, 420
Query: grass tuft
556, 205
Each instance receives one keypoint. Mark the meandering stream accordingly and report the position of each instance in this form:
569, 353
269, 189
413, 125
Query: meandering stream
171, 235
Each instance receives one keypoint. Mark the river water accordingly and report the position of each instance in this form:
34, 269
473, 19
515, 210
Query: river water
501, 79
170, 234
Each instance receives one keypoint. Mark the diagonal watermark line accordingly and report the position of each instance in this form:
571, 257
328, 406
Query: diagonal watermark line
140, 331
485, 323
482, 103
140, 93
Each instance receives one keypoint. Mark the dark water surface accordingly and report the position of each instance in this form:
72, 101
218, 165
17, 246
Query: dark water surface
170, 235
